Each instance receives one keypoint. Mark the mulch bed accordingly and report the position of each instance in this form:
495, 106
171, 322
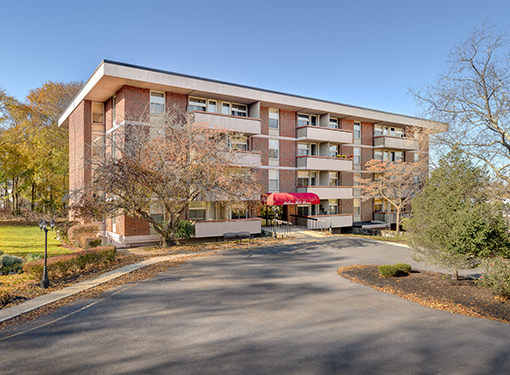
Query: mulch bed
435, 290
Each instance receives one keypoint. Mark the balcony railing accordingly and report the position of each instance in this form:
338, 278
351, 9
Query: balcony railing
390, 217
323, 221
246, 158
320, 134
327, 192
396, 143
216, 228
245, 125
324, 163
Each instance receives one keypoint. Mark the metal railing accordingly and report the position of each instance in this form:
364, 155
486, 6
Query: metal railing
311, 223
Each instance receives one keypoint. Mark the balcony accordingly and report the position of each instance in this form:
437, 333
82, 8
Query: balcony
246, 158
320, 134
216, 228
245, 125
390, 217
324, 163
327, 192
396, 143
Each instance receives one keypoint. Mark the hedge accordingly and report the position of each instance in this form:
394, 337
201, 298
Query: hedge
398, 269
61, 265
75, 232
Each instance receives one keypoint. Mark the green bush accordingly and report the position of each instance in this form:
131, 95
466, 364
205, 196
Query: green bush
403, 267
75, 231
496, 275
185, 229
62, 265
10, 263
387, 270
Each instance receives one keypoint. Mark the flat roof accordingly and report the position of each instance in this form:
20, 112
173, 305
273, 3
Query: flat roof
110, 76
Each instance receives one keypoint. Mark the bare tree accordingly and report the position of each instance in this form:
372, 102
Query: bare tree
161, 164
472, 97
397, 182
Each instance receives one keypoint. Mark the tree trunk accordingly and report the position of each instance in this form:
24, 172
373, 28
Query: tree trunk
32, 199
397, 227
455, 274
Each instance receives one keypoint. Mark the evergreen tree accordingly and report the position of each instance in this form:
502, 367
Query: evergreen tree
454, 222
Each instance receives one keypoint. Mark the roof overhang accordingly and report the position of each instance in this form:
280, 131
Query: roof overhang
289, 199
110, 76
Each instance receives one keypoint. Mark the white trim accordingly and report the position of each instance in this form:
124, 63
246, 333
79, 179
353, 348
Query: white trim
127, 240
111, 76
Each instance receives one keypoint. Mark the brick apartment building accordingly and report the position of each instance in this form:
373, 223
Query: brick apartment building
295, 142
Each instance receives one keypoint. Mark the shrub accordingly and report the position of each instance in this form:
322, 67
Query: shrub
185, 229
62, 230
10, 263
398, 269
86, 241
5, 296
387, 270
69, 263
496, 275
403, 268
75, 231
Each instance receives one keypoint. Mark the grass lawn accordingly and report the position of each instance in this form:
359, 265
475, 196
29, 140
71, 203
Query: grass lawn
21, 240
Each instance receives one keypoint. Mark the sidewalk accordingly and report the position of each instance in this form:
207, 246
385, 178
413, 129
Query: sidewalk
41, 301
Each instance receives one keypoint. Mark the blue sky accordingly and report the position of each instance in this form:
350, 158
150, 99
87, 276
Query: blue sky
363, 53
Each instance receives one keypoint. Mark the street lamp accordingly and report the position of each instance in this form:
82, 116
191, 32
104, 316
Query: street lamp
45, 281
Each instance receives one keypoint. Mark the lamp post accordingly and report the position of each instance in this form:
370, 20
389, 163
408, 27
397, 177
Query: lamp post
45, 281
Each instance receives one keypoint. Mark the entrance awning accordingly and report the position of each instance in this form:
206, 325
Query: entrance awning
287, 199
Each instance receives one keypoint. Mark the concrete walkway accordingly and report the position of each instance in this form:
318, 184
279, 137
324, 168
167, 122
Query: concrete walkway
41, 301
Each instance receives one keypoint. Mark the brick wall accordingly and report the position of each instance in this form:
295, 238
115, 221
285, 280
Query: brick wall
264, 120
287, 153
288, 181
367, 209
346, 206
346, 124
288, 121
367, 131
366, 155
134, 227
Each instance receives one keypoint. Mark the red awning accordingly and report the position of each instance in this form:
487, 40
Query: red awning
286, 199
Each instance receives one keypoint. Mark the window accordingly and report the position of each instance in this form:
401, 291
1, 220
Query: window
197, 210
313, 149
157, 212
399, 132
303, 177
333, 178
273, 179
225, 108
355, 178
333, 151
302, 210
97, 145
274, 118
237, 142
196, 104
97, 113
157, 103
274, 146
333, 206
114, 111
357, 155
239, 110
211, 106
357, 130
378, 205
333, 123
313, 178
239, 213
378, 131
305, 120
356, 206
399, 155
303, 149
378, 155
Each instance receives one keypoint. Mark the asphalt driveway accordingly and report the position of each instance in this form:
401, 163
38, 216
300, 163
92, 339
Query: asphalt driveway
280, 310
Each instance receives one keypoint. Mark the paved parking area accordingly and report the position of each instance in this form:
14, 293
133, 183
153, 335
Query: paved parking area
280, 310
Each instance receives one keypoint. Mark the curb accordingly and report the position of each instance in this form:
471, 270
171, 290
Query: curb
35, 303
